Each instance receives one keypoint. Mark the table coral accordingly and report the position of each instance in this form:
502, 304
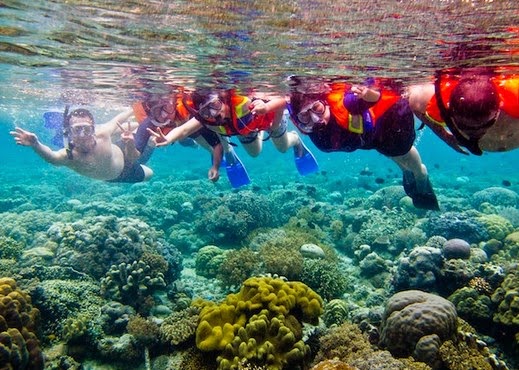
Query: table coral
19, 346
261, 324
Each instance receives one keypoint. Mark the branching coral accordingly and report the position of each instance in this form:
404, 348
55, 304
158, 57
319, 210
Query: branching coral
132, 283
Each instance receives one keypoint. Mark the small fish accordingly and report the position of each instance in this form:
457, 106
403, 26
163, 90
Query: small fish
311, 225
506, 183
437, 166
380, 180
256, 188
366, 172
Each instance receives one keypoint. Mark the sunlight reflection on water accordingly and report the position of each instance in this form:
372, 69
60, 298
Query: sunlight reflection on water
104, 51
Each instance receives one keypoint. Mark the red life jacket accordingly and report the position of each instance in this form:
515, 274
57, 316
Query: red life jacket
507, 88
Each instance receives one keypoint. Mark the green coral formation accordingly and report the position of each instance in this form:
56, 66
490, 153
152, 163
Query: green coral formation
335, 312
10, 248
471, 305
132, 284
348, 344
238, 266
324, 277
262, 324
19, 345
468, 352
497, 226
208, 261
506, 296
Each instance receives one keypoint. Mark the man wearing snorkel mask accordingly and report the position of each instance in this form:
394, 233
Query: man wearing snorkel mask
166, 113
476, 109
340, 117
89, 149
230, 114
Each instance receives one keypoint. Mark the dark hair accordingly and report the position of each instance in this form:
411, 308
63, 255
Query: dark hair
202, 95
474, 98
81, 113
298, 100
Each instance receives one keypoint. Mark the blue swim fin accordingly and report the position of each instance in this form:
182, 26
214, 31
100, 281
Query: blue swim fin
236, 172
306, 164
54, 121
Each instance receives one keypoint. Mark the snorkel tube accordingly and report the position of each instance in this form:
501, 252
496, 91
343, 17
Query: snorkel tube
67, 143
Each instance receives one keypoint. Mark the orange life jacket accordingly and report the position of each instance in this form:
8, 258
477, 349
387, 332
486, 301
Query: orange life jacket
141, 111
507, 89
335, 99
243, 122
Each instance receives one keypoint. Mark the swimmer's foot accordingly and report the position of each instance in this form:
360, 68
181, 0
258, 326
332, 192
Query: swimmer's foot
423, 196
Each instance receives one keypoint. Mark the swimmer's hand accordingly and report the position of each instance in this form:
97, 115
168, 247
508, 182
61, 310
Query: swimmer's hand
25, 138
158, 137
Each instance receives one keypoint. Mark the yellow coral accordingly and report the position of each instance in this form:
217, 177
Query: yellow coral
497, 226
260, 323
18, 318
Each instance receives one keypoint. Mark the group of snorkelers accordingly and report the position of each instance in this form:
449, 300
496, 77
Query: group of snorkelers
474, 110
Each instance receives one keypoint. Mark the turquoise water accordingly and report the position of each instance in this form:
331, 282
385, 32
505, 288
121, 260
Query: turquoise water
62, 236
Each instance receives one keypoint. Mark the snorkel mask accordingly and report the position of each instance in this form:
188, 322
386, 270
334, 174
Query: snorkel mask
308, 117
162, 113
209, 112
83, 131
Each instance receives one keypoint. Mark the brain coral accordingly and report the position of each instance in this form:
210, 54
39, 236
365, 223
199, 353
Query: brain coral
413, 316
19, 346
262, 324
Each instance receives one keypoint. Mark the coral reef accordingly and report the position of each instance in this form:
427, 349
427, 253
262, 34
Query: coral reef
208, 261
497, 226
496, 196
19, 345
472, 305
416, 323
346, 343
94, 244
179, 327
457, 225
262, 324
132, 284
237, 266
64, 302
456, 248
325, 277
419, 270
506, 297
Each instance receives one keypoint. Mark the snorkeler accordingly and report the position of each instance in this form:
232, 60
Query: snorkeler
343, 117
89, 149
167, 113
477, 109
229, 114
